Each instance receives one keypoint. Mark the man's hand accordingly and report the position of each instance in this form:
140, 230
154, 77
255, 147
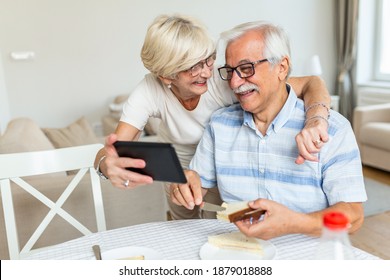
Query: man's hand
189, 194
278, 220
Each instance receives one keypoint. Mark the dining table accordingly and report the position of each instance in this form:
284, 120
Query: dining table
177, 240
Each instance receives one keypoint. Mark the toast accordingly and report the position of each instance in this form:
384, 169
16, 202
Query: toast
236, 211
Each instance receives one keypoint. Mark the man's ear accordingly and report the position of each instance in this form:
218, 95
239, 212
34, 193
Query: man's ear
284, 67
166, 81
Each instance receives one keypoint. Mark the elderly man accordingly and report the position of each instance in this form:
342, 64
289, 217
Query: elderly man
248, 149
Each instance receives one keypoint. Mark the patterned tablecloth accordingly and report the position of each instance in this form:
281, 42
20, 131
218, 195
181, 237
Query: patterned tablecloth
176, 240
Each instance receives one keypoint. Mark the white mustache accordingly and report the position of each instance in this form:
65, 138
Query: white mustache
246, 87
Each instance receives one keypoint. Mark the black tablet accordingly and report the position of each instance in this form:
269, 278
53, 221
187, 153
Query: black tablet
162, 163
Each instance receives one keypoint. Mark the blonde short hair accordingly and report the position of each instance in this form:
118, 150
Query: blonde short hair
174, 44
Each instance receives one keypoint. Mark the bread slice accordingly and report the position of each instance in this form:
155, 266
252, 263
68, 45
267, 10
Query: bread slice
236, 241
138, 257
236, 211
232, 209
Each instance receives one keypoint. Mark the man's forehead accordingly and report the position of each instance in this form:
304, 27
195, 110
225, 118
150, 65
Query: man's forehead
244, 49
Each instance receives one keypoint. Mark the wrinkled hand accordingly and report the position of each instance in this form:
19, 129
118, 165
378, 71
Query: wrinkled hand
115, 167
278, 220
311, 139
189, 194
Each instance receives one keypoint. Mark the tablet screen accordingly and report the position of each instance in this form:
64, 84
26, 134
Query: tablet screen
162, 163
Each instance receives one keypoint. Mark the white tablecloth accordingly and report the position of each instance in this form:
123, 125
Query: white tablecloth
176, 240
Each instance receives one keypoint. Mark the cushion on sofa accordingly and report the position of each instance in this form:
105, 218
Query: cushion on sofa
23, 135
376, 134
110, 121
117, 105
78, 133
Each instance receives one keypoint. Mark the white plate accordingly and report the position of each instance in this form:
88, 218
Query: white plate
211, 252
131, 251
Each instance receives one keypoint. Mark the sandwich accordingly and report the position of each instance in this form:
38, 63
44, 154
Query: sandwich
236, 211
236, 241
138, 257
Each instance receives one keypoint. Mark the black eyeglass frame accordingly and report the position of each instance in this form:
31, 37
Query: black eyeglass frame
202, 63
235, 69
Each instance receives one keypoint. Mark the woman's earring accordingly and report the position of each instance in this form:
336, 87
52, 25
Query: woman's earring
169, 86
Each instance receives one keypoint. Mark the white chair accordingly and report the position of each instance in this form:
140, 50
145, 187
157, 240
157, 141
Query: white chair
18, 165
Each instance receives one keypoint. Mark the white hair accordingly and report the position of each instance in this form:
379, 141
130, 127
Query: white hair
276, 42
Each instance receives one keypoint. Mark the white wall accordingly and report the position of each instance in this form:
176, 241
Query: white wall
87, 51
4, 105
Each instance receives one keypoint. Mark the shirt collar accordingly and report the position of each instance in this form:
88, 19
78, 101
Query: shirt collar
287, 109
282, 117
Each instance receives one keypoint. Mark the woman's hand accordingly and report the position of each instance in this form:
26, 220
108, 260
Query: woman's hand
311, 139
189, 194
315, 133
114, 167
313, 91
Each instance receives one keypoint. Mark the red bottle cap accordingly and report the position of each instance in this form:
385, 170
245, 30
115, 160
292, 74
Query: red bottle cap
336, 220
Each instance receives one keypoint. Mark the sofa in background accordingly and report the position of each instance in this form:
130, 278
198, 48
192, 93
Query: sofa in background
24, 135
371, 125
110, 121
122, 207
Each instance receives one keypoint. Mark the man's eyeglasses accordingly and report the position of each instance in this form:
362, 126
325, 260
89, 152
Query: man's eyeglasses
197, 68
244, 70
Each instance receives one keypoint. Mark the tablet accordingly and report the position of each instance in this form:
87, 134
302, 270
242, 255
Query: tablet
162, 163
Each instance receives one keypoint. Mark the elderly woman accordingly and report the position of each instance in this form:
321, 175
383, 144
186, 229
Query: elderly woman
183, 92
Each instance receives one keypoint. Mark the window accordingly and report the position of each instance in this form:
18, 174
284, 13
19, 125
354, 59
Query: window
373, 53
373, 44
382, 46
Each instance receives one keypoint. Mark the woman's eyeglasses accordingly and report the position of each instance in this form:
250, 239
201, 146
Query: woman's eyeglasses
197, 68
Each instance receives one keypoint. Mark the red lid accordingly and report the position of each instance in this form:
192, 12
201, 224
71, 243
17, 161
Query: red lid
335, 220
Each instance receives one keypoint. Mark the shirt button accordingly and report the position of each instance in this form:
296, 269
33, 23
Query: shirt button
261, 170
262, 141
